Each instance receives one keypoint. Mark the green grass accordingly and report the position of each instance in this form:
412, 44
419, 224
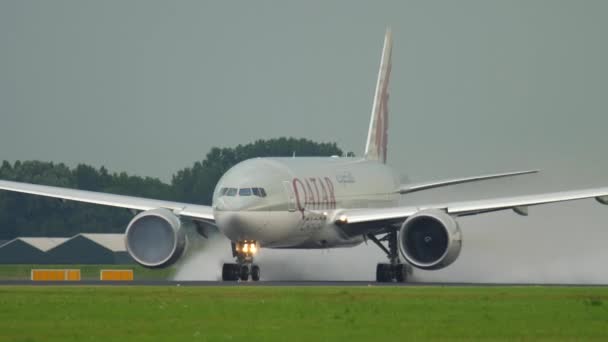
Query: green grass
87, 272
302, 313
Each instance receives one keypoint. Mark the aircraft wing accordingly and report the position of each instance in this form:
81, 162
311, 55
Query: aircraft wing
407, 188
365, 219
194, 211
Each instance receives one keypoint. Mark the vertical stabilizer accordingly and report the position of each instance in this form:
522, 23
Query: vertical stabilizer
377, 137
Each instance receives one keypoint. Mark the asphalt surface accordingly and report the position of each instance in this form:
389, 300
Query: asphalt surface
260, 283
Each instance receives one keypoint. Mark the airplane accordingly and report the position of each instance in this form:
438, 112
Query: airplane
314, 203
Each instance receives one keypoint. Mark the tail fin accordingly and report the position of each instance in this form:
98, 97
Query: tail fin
377, 137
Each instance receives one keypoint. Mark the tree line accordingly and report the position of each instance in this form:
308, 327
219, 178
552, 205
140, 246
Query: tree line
27, 215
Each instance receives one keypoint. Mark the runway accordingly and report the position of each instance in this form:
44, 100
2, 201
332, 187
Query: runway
271, 283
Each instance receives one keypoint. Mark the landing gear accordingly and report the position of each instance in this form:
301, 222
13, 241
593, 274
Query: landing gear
395, 270
234, 272
255, 272
230, 272
386, 273
244, 274
401, 272
383, 273
244, 268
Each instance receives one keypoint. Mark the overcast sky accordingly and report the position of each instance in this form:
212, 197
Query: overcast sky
481, 86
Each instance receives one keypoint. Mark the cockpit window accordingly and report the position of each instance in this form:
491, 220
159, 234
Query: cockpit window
258, 192
245, 192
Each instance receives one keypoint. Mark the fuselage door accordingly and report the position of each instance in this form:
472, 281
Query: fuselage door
291, 198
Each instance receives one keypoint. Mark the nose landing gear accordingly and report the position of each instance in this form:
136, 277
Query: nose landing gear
395, 270
244, 268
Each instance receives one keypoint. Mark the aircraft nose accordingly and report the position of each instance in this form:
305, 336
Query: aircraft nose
226, 203
237, 225
229, 204
226, 219
220, 204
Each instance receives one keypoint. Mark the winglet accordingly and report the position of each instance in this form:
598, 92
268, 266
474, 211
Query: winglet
377, 136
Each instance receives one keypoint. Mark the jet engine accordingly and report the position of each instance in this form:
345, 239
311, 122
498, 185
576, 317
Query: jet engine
430, 239
155, 238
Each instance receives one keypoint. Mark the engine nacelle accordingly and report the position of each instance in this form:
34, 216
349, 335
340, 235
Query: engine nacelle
155, 238
430, 239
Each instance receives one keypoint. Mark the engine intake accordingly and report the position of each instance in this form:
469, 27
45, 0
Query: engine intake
155, 238
430, 239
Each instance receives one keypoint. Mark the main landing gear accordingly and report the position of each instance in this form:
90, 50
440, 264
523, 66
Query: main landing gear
244, 268
395, 270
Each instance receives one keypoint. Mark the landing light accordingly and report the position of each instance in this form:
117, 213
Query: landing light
247, 248
342, 219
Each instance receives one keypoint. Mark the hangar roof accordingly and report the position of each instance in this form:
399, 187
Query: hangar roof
113, 242
41, 243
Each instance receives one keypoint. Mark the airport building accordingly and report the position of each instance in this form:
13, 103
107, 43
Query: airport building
31, 250
80, 249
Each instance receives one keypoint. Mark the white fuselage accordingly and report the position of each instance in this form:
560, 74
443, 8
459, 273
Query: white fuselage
297, 200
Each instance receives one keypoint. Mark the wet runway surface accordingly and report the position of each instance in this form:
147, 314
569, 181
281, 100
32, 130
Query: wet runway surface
260, 283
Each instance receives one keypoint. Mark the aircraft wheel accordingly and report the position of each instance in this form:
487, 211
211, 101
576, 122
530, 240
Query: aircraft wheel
244, 273
400, 272
230, 272
255, 272
383, 273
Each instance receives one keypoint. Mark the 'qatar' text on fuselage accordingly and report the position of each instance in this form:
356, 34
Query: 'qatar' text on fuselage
314, 193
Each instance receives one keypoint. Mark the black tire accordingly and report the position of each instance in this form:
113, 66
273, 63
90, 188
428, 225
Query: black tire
228, 272
400, 271
244, 273
255, 272
383, 273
